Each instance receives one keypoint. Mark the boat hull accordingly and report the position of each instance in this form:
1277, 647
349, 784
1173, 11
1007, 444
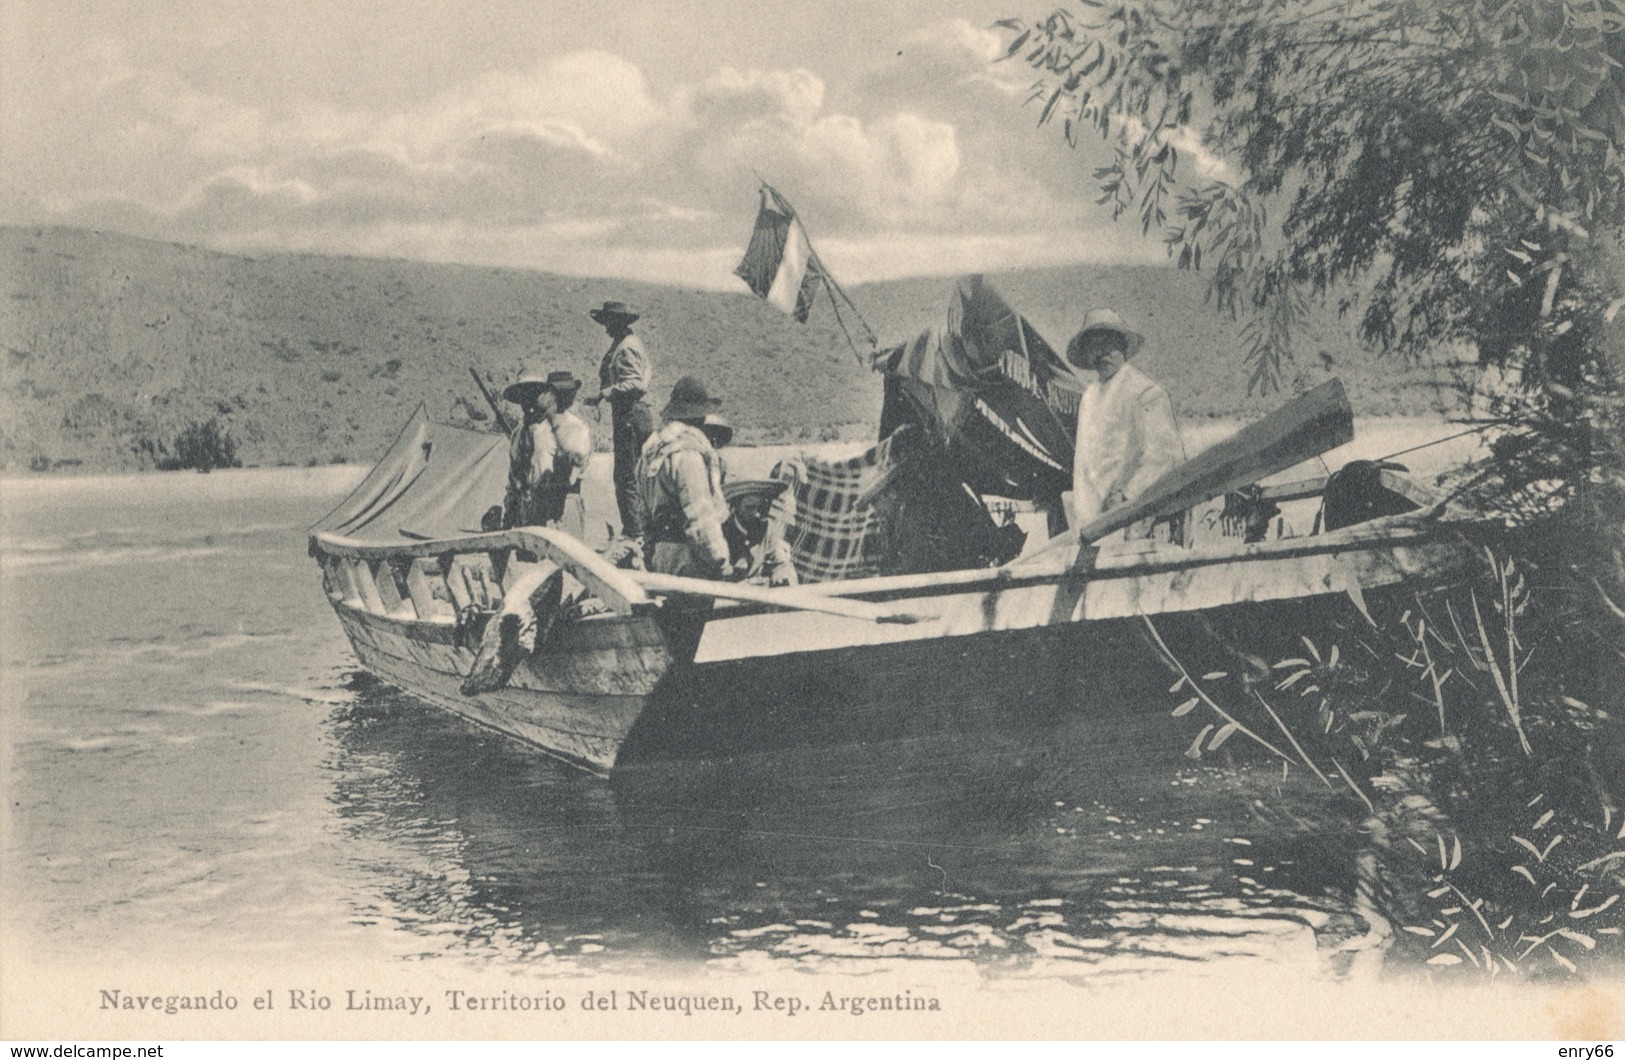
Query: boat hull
1012, 680
708, 683
577, 701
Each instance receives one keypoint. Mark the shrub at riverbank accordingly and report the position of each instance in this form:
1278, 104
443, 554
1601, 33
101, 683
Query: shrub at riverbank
1477, 734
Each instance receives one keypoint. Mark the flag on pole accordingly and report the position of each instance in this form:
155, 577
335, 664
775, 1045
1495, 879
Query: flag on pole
779, 264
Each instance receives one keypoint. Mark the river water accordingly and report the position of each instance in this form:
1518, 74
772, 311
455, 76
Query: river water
198, 768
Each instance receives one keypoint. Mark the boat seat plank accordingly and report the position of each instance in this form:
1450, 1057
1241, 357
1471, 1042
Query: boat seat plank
427, 603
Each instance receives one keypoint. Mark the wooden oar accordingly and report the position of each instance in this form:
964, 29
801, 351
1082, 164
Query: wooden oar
1300, 430
617, 588
785, 599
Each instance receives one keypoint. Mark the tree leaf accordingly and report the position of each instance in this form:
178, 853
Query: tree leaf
1186, 707
1194, 751
1222, 735
1581, 914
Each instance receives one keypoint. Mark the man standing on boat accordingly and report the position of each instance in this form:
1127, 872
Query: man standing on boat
679, 479
548, 454
624, 377
1127, 435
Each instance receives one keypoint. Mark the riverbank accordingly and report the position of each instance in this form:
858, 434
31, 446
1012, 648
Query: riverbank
1374, 437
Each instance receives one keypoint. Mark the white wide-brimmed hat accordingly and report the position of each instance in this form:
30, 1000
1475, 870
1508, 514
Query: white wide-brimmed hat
1104, 320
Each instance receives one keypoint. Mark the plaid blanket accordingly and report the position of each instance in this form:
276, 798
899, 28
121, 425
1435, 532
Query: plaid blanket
833, 533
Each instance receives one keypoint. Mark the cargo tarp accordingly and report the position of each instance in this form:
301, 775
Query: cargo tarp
992, 391
435, 481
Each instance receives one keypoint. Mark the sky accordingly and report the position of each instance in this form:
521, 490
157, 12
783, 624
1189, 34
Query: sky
595, 138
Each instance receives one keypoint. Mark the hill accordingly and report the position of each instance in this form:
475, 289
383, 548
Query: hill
113, 346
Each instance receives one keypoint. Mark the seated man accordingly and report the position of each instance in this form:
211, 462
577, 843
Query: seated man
755, 552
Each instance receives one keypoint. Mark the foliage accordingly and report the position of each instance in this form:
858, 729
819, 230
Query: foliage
1466, 729
1554, 920
203, 446
1462, 161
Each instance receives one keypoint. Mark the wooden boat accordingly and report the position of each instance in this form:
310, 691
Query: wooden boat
673, 668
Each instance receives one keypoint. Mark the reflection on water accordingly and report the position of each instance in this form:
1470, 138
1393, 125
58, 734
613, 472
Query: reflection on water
1007, 850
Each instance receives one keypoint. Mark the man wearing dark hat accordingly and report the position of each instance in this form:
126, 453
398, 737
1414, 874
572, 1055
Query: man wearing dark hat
624, 377
547, 455
679, 479
755, 552
1127, 434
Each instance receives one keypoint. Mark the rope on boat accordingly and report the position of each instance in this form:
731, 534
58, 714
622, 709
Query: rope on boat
1447, 438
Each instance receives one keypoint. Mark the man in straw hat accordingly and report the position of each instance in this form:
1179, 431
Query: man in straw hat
1127, 435
679, 478
547, 455
755, 552
624, 378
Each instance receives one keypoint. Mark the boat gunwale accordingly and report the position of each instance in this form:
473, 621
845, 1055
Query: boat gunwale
1087, 564
443, 630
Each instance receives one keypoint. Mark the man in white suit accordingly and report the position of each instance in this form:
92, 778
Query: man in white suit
1127, 434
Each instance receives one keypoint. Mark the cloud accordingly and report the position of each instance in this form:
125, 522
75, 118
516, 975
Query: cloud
901, 167
597, 92
894, 168
959, 51
1208, 165
1188, 141
578, 164
740, 98
949, 65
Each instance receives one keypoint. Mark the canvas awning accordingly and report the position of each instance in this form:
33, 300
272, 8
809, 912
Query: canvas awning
434, 481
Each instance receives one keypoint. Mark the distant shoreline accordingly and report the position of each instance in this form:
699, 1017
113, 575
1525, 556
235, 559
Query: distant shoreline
1374, 436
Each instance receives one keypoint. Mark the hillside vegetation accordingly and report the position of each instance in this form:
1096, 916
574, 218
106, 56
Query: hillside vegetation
116, 347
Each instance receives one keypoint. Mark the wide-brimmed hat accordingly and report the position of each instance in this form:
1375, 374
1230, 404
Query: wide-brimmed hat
717, 428
1104, 320
740, 488
529, 384
613, 311
690, 400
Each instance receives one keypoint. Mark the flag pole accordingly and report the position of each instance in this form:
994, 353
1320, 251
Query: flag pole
830, 289
837, 294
